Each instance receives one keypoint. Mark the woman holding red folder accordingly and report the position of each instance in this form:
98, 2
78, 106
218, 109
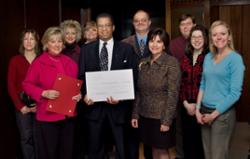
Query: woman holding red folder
55, 132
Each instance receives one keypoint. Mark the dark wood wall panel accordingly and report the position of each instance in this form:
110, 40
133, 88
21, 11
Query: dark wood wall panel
39, 15
244, 104
11, 24
233, 16
42, 14
71, 13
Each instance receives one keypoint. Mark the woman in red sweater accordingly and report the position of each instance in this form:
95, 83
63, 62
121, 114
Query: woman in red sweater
17, 70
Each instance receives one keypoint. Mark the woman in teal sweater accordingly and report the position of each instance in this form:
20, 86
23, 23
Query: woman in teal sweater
220, 88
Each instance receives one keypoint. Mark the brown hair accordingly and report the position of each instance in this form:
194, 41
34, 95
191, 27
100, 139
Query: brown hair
163, 35
189, 49
35, 35
186, 16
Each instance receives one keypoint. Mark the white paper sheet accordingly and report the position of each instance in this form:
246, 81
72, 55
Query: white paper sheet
103, 84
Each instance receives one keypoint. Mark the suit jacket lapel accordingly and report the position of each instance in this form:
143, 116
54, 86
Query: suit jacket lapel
96, 52
137, 50
114, 55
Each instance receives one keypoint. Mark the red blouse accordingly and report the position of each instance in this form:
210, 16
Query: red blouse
18, 67
190, 79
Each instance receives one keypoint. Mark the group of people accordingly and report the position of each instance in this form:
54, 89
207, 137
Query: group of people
185, 90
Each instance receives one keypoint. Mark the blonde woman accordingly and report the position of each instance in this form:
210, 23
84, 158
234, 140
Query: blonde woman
71, 35
90, 32
220, 88
55, 132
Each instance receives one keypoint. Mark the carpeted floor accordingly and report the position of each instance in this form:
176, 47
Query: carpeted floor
240, 142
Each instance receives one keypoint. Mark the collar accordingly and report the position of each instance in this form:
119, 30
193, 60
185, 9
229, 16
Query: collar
70, 46
110, 41
160, 61
144, 38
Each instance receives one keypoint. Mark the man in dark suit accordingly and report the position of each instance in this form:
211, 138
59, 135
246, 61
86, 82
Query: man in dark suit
141, 23
120, 56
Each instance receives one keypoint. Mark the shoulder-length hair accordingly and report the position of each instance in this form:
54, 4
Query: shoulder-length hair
72, 24
48, 33
212, 48
36, 37
190, 49
163, 35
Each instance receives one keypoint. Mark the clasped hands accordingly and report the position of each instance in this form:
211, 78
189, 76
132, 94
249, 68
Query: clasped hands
53, 94
206, 118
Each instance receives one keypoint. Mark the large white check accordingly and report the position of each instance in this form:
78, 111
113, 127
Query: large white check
118, 84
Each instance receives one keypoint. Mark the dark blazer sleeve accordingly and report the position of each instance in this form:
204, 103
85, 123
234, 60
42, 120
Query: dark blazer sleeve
81, 74
124, 57
89, 61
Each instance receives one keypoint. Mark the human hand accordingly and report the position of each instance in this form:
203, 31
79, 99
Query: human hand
199, 116
164, 128
25, 110
88, 101
77, 97
190, 107
209, 118
50, 94
134, 123
33, 109
111, 100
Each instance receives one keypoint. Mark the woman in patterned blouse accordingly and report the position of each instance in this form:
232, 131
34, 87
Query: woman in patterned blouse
157, 95
191, 67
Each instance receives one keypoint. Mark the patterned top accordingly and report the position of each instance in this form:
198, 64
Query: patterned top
190, 79
157, 89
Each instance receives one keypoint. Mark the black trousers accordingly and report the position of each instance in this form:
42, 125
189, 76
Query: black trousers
55, 139
131, 141
96, 136
132, 144
192, 142
26, 126
81, 135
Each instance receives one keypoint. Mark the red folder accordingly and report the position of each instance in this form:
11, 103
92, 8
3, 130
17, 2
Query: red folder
68, 87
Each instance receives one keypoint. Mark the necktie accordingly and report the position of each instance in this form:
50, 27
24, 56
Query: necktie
104, 57
142, 46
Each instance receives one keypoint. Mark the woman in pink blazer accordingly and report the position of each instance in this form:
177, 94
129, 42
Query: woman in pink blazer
54, 131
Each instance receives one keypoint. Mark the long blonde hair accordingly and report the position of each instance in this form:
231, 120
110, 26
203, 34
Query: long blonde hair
212, 48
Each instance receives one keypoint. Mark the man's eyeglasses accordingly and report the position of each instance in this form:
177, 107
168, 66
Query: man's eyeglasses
196, 37
104, 26
140, 21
